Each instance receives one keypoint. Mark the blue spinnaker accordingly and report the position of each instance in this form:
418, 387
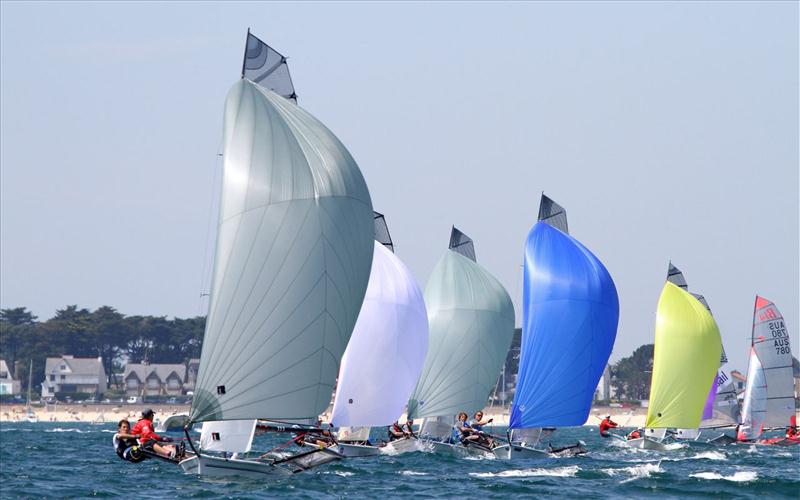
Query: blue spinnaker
570, 315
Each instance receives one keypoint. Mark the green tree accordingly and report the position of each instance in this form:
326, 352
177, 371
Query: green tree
16, 325
632, 375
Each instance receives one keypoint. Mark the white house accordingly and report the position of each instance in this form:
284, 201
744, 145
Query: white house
69, 374
144, 379
9, 386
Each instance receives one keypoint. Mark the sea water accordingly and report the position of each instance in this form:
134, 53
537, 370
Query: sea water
76, 460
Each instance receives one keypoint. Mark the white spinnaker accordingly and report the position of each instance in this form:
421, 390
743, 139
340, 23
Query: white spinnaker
293, 254
232, 436
471, 322
771, 344
754, 408
387, 349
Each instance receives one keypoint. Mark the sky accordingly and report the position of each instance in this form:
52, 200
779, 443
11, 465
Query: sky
668, 131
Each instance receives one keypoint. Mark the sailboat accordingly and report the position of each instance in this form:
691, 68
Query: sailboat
384, 357
686, 358
721, 408
293, 255
30, 416
471, 324
769, 393
569, 324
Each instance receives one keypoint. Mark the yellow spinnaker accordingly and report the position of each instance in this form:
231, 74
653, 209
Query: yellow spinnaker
685, 361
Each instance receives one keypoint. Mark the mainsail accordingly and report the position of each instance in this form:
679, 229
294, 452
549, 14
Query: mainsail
293, 256
754, 408
267, 67
569, 324
770, 359
471, 322
384, 357
687, 354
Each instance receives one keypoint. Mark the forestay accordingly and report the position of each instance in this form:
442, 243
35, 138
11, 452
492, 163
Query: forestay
471, 322
293, 256
569, 324
387, 349
687, 354
770, 341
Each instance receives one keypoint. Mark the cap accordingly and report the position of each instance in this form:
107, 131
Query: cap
148, 412
608, 416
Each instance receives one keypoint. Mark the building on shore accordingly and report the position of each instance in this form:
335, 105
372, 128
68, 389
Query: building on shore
145, 379
67, 375
604, 390
9, 386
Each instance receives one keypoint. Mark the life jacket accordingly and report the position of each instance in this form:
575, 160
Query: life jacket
127, 449
606, 424
634, 435
144, 428
396, 428
475, 425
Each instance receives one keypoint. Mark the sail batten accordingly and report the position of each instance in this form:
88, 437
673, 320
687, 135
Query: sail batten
294, 251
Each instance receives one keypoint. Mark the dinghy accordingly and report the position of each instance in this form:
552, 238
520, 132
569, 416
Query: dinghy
30, 416
384, 357
471, 323
686, 358
769, 393
569, 324
293, 256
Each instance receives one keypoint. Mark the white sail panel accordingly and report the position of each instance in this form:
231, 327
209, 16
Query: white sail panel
294, 250
353, 434
232, 436
754, 408
471, 322
387, 349
772, 346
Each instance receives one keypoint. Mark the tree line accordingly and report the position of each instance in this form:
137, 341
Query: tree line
104, 333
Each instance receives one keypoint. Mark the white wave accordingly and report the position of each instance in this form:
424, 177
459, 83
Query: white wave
742, 476
59, 429
556, 472
706, 455
340, 473
636, 471
413, 473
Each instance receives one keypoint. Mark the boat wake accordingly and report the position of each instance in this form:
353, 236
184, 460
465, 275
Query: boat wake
742, 476
79, 431
706, 455
413, 473
556, 472
636, 471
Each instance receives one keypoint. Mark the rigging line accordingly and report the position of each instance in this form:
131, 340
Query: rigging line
214, 201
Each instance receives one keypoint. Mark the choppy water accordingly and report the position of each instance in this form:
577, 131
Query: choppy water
76, 460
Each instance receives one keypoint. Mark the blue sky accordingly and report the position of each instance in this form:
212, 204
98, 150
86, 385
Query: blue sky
667, 131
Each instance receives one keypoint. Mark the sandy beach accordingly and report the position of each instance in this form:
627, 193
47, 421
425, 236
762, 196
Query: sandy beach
100, 413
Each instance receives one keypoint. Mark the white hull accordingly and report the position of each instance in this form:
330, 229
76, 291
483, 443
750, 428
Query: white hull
398, 446
358, 450
646, 443
206, 465
517, 452
32, 419
458, 450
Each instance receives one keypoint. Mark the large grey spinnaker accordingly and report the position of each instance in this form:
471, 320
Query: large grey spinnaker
293, 255
471, 323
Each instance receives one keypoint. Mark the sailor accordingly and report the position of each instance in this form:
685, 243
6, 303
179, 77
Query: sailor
635, 434
124, 441
148, 437
409, 428
791, 431
462, 432
396, 431
605, 425
478, 424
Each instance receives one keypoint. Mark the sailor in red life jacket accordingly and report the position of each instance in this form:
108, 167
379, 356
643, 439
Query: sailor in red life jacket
792, 433
396, 431
605, 425
636, 434
147, 436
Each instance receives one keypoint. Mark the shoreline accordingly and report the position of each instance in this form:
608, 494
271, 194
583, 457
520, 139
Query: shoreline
112, 413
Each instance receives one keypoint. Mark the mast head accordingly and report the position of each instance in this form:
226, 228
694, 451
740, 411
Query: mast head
675, 276
267, 67
553, 214
462, 244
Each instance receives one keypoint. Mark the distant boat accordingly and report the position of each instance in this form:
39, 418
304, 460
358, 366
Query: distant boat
686, 358
30, 416
293, 257
471, 324
769, 394
570, 311
384, 357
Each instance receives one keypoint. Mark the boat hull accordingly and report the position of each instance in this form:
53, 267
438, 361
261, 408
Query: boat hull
398, 446
518, 452
650, 444
458, 450
209, 466
358, 450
